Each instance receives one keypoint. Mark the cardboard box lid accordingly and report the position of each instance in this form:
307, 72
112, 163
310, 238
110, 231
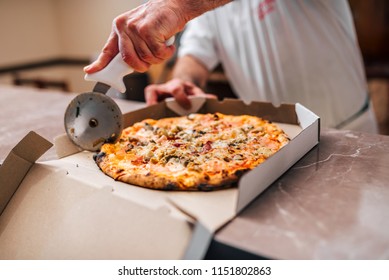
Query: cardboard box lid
53, 215
18, 163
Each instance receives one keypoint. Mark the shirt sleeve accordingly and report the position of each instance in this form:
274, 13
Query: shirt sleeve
197, 40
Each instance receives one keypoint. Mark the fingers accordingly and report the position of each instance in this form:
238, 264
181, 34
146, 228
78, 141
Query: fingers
133, 48
196, 91
140, 39
211, 96
140, 35
108, 53
182, 98
138, 54
175, 88
157, 93
151, 94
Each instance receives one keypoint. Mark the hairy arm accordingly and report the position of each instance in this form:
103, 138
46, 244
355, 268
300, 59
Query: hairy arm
189, 77
188, 68
193, 8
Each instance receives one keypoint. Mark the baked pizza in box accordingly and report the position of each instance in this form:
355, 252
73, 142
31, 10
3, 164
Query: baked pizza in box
196, 152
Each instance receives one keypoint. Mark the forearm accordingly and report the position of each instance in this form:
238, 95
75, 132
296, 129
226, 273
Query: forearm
193, 8
189, 69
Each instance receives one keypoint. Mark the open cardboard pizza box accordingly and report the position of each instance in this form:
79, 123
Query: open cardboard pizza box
68, 209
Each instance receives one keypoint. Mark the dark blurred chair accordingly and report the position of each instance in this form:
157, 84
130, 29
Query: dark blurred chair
372, 26
40, 83
135, 85
371, 20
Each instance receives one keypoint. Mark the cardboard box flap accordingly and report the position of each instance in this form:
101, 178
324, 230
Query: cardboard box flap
216, 209
18, 163
213, 208
54, 215
198, 246
32, 147
306, 117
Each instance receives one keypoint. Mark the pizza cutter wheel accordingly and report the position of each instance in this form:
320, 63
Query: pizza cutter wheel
92, 119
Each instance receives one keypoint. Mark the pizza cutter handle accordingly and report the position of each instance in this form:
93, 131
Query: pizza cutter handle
114, 72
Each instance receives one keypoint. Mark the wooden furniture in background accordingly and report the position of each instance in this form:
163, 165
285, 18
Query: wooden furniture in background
371, 20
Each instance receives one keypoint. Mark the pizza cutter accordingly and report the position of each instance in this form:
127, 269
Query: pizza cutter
93, 118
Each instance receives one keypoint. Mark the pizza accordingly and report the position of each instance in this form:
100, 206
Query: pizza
195, 152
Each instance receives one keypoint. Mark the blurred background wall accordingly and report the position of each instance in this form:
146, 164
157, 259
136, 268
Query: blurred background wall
38, 30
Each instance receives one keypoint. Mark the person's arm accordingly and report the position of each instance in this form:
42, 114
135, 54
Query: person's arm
140, 34
194, 8
189, 78
189, 69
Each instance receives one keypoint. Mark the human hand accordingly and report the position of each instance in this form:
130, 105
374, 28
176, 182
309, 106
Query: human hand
177, 88
140, 36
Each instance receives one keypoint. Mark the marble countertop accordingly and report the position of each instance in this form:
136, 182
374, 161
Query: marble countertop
332, 204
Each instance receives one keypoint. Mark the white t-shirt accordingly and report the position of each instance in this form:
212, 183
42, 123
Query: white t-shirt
284, 52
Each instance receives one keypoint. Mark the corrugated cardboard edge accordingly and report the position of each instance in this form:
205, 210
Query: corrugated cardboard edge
208, 219
17, 164
199, 244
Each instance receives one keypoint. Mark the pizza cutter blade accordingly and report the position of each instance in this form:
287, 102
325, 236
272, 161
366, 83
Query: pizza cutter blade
92, 118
